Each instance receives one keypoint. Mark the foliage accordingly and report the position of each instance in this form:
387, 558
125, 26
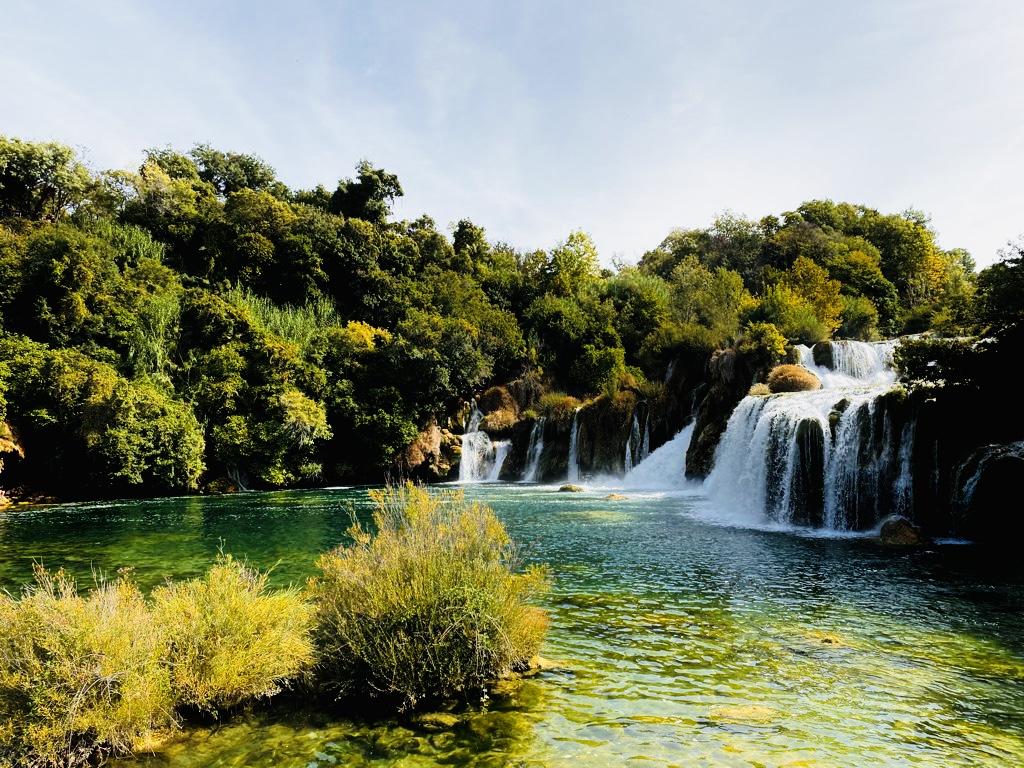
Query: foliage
229, 639
200, 292
430, 606
1001, 289
40, 180
763, 344
859, 319
597, 368
81, 676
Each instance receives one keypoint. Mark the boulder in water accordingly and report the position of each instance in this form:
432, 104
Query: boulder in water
570, 488
792, 378
899, 531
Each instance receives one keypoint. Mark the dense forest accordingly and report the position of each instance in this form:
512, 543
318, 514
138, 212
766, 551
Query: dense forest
195, 323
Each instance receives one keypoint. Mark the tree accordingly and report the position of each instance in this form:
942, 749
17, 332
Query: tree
572, 265
369, 196
231, 172
40, 180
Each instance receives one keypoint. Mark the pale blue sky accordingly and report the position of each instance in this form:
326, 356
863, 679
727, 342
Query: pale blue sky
532, 119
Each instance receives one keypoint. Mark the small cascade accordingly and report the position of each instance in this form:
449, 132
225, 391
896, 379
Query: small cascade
967, 475
534, 451
631, 444
828, 458
481, 459
670, 371
574, 449
854, 363
638, 444
500, 454
664, 468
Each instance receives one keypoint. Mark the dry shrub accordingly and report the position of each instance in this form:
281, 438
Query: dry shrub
759, 389
498, 421
430, 607
80, 677
792, 378
497, 399
229, 639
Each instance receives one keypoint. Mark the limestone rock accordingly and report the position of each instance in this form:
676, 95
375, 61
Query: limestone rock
898, 530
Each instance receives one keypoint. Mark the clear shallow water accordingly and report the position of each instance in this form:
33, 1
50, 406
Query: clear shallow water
680, 641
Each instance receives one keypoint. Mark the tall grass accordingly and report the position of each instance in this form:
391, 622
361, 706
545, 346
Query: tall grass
299, 325
229, 640
80, 677
430, 606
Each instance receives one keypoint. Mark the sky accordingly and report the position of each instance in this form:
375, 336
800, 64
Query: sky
536, 118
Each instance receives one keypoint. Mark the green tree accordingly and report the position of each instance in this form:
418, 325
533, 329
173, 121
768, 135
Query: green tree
40, 180
369, 196
231, 172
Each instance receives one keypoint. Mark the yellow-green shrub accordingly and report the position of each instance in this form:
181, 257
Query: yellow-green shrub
229, 639
79, 676
792, 378
430, 606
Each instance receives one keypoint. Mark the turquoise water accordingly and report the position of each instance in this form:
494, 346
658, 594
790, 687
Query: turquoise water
676, 641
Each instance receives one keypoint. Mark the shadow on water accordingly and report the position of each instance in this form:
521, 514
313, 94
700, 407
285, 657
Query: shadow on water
679, 641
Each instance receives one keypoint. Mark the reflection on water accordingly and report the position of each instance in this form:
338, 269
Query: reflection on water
679, 642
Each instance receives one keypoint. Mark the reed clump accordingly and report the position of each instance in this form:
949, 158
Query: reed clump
429, 607
83, 678
229, 640
80, 677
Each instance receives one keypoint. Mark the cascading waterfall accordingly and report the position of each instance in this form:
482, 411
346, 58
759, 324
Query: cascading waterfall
573, 475
664, 468
638, 444
534, 451
481, 459
825, 458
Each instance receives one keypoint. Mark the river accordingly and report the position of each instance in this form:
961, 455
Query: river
678, 639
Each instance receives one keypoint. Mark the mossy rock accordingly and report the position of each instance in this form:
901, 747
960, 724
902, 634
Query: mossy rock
570, 488
436, 721
220, 486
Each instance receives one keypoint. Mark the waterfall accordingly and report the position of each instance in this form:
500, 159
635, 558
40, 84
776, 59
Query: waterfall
638, 444
534, 451
631, 442
664, 468
481, 459
574, 449
827, 458
967, 475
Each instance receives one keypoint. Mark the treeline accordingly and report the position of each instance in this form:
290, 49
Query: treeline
196, 319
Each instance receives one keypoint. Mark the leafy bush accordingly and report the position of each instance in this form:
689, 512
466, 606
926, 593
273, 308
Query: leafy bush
763, 344
80, 677
230, 640
430, 606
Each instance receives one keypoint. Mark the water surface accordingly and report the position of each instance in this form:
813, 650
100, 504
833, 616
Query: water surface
680, 641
